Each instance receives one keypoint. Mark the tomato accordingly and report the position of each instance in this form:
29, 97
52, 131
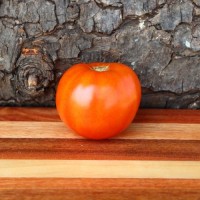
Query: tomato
98, 100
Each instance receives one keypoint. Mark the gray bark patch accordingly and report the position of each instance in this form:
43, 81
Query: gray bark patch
159, 39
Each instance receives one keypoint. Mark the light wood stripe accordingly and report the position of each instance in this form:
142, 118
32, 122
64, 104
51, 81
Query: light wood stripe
16, 129
99, 169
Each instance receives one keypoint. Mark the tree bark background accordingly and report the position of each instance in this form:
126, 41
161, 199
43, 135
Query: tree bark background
159, 39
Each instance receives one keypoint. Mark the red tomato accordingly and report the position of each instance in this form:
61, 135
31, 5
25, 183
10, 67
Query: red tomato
98, 100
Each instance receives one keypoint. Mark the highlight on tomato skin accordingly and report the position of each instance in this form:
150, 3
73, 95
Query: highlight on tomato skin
98, 100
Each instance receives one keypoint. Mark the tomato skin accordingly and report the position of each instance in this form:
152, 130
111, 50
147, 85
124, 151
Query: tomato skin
98, 104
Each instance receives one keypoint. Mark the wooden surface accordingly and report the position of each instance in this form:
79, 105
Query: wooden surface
157, 157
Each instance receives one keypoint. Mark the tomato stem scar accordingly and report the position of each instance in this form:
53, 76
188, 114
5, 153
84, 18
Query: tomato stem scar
100, 68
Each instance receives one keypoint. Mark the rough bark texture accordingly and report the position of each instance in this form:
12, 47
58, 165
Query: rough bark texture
159, 39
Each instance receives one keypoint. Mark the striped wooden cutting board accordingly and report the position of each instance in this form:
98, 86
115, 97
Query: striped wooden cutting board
158, 157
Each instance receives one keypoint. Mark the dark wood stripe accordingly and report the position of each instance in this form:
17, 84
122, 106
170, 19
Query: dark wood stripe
86, 183
28, 114
99, 150
168, 116
123, 189
143, 115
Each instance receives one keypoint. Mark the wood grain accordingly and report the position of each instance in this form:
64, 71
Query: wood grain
60, 149
175, 131
143, 115
98, 183
28, 114
168, 116
158, 157
99, 169
105, 189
